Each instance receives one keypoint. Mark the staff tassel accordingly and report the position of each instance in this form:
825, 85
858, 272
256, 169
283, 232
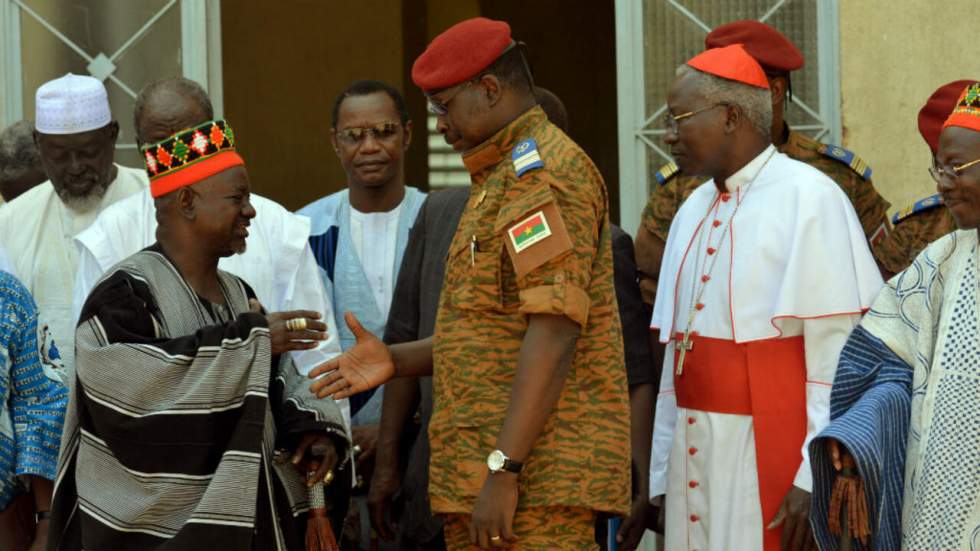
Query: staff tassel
848, 516
319, 533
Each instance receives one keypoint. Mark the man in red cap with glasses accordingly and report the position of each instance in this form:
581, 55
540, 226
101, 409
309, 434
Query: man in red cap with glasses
779, 58
765, 273
906, 422
925, 220
530, 426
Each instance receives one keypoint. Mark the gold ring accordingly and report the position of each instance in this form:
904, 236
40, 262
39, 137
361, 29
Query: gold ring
328, 478
296, 324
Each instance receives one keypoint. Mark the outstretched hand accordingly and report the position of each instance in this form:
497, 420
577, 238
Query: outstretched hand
363, 366
794, 516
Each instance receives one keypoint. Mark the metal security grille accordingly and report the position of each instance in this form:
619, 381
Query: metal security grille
121, 42
655, 36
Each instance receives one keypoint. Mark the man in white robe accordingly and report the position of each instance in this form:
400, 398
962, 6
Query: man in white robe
905, 399
765, 273
76, 137
277, 262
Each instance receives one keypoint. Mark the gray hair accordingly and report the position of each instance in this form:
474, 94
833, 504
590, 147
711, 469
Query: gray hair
176, 85
18, 154
755, 103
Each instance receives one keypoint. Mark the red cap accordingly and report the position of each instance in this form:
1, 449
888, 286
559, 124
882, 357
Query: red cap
768, 46
966, 113
733, 63
460, 53
937, 109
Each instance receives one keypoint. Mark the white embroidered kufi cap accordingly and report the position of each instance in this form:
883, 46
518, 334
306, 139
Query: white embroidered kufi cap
71, 104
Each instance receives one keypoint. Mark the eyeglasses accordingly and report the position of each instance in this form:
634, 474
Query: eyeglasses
670, 121
941, 173
381, 131
441, 108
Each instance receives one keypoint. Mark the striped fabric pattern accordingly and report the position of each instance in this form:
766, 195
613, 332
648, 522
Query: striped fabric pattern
170, 430
870, 409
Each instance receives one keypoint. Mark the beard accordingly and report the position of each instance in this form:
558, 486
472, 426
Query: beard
86, 202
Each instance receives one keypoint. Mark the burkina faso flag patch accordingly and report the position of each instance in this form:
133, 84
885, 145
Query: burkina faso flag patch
529, 231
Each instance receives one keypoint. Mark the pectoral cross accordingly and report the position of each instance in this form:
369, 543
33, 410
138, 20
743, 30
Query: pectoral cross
683, 346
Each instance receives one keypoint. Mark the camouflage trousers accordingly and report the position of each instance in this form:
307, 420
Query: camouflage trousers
536, 528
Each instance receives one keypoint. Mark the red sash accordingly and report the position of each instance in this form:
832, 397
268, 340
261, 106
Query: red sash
767, 380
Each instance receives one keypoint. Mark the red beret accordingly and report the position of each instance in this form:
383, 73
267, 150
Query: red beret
460, 53
731, 62
768, 46
937, 108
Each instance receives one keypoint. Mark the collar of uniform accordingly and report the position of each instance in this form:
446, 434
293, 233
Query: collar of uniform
498, 146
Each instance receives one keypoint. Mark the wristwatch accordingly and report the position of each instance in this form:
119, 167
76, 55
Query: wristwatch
498, 462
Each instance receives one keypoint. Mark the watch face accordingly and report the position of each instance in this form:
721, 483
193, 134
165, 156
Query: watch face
495, 461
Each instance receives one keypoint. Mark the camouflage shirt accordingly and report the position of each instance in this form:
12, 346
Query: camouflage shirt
534, 239
840, 165
914, 228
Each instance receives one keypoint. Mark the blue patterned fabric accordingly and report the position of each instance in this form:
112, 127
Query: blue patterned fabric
34, 397
869, 410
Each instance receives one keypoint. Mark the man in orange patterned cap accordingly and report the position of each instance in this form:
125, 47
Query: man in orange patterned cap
530, 426
183, 391
904, 406
778, 57
751, 316
924, 221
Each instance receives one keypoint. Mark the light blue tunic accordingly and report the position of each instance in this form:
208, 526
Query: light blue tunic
344, 278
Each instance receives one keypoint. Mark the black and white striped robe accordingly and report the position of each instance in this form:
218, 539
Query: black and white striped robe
174, 419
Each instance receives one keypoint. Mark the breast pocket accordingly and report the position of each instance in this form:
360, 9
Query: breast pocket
476, 271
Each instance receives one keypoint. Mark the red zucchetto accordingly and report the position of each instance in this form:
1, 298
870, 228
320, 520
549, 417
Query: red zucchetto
732, 63
460, 53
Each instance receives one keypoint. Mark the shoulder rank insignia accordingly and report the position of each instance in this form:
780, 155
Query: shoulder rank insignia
840, 154
921, 205
526, 157
666, 172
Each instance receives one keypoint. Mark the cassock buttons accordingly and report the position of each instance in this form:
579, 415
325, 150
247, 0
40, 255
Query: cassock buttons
692, 451
695, 518
692, 484
711, 250
690, 420
716, 223
705, 278
725, 197
699, 306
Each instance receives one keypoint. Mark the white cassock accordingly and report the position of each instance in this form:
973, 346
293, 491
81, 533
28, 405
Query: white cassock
786, 283
277, 263
36, 232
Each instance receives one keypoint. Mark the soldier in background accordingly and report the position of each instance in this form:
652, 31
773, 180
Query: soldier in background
924, 221
778, 57
20, 161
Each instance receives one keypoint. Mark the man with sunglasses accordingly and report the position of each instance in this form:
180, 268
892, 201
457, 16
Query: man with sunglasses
765, 273
779, 58
359, 235
904, 403
925, 221
530, 425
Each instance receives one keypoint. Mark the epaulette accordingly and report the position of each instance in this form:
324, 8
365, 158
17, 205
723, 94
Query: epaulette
666, 172
921, 205
526, 157
847, 157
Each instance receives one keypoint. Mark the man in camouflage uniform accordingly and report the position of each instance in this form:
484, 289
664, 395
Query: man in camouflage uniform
530, 427
778, 57
924, 221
